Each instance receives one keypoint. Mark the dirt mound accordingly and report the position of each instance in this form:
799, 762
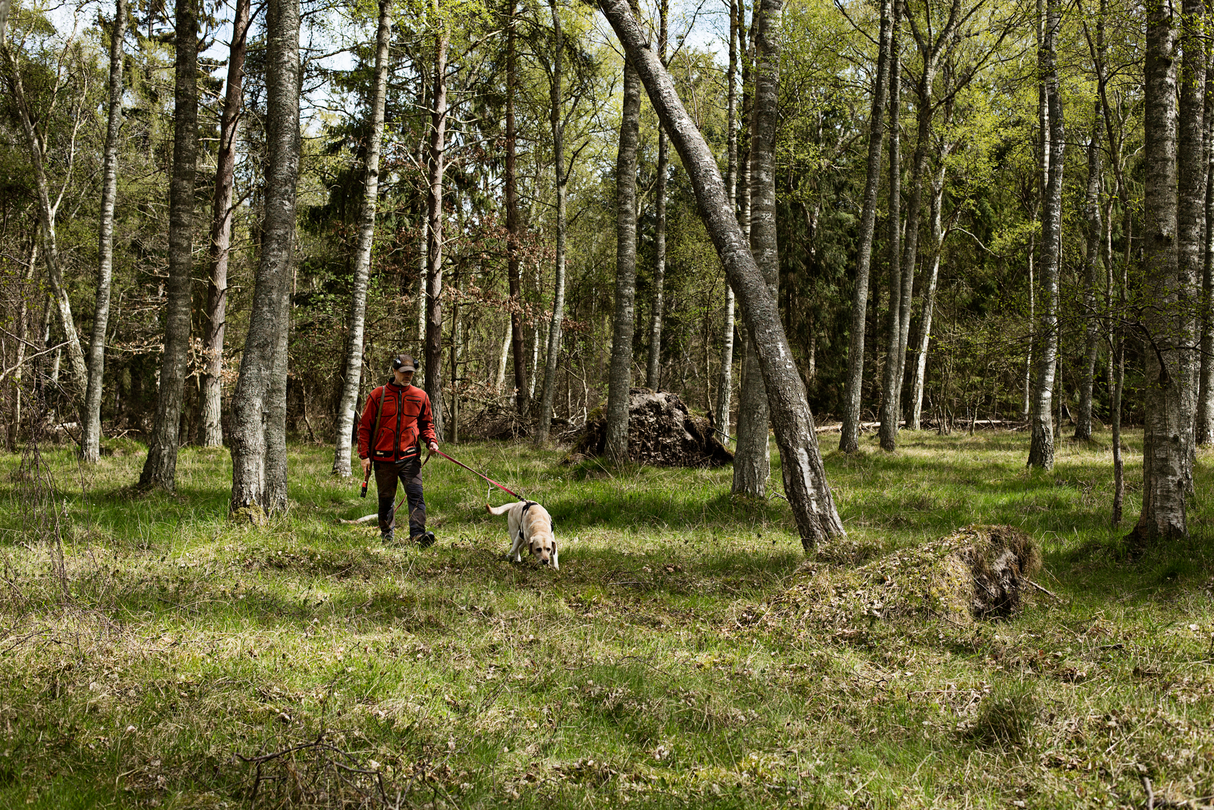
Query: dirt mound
661, 433
978, 572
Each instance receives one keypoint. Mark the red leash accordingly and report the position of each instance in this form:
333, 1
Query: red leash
482, 475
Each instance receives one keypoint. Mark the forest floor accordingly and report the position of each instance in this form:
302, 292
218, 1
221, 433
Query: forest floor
153, 654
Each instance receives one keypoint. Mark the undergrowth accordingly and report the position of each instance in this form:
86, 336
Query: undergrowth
154, 654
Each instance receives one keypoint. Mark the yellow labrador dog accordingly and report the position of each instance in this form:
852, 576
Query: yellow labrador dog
530, 525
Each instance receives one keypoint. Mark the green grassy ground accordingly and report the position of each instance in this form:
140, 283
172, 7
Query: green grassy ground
169, 658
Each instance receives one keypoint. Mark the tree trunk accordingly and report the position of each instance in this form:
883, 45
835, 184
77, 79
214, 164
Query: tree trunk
348, 406
47, 212
1041, 447
433, 366
805, 484
1163, 460
556, 119
919, 370
725, 378
619, 375
1093, 272
1191, 201
1204, 432
849, 439
514, 228
250, 497
160, 467
276, 413
752, 462
653, 372
210, 405
90, 444
888, 432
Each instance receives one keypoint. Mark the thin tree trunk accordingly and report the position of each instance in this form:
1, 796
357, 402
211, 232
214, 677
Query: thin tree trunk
556, 119
434, 228
919, 370
653, 372
90, 444
1092, 274
1041, 448
514, 229
362, 254
276, 414
211, 397
849, 440
623, 323
250, 498
47, 211
752, 461
160, 467
1191, 203
888, 432
725, 379
805, 484
1204, 431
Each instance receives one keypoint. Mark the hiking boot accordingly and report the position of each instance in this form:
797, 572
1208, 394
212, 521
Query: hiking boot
425, 539
386, 537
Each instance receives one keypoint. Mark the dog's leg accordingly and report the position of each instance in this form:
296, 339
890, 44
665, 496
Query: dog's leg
515, 548
555, 564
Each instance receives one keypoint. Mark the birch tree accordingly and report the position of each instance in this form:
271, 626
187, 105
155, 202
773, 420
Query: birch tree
348, 406
849, 440
90, 443
624, 320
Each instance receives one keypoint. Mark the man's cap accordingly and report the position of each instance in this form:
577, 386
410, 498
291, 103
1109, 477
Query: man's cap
403, 362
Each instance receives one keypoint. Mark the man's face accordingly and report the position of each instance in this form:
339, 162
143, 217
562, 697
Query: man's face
403, 377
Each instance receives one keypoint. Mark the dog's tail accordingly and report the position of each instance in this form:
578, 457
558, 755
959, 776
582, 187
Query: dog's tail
498, 510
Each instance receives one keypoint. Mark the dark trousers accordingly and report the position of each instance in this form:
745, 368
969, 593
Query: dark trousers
408, 472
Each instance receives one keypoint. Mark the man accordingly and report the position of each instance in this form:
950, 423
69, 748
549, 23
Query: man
394, 423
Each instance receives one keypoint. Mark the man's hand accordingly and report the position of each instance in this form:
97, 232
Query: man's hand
366, 467
433, 447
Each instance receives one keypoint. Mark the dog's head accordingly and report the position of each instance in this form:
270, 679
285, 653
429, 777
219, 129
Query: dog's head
540, 538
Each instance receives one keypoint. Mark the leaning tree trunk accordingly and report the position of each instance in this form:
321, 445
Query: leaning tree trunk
1163, 515
556, 118
249, 403
619, 375
90, 444
160, 467
888, 431
919, 369
210, 406
849, 440
752, 462
1041, 446
805, 484
362, 253
433, 367
47, 212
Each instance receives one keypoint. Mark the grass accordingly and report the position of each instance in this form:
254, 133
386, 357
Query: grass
172, 659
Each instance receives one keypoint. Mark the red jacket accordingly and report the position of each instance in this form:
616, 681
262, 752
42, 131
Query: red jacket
404, 416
